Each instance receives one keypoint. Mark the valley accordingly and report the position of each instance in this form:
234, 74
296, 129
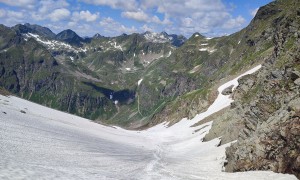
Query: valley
62, 146
151, 105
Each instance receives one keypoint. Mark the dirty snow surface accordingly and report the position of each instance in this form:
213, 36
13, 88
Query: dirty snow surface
40, 143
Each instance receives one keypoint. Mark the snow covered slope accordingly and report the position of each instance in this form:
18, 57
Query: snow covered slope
157, 37
54, 44
41, 143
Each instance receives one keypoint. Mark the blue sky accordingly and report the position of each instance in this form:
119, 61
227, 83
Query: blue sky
114, 17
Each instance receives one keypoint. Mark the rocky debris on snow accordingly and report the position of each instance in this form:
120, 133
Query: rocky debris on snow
227, 91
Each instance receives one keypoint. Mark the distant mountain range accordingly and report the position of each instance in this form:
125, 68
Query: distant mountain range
69, 36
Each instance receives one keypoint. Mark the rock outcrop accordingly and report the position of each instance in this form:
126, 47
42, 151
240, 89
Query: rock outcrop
264, 118
269, 103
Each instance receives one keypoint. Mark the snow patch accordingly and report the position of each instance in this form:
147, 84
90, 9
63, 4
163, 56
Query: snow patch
223, 101
170, 52
83, 50
210, 50
117, 46
196, 68
184, 126
53, 44
156, 37
139, 82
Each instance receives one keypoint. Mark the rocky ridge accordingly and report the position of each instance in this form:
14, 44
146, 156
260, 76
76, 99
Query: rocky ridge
264, 119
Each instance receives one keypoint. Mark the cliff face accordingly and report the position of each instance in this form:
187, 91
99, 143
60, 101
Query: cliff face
269, 139
267, 105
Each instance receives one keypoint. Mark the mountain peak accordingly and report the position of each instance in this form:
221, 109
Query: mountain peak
164, 33
197, 35
68, 32
97, 35
70, 37
163, 37
35, 29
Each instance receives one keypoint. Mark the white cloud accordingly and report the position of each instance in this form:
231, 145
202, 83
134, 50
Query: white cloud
37, 16
187, 22
45, 8
115, 4
11, 18
72, 24
253, 12
59, 14
156, 20
191, 16
2, 13
136, 15
15, 14
113, 28
234, 23
141, 16
173, 16
20, 3
85, 29
82, 29
145, 28
78, 18
85, 15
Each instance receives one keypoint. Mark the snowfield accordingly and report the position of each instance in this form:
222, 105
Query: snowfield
53, 44
41, 143
156, 37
